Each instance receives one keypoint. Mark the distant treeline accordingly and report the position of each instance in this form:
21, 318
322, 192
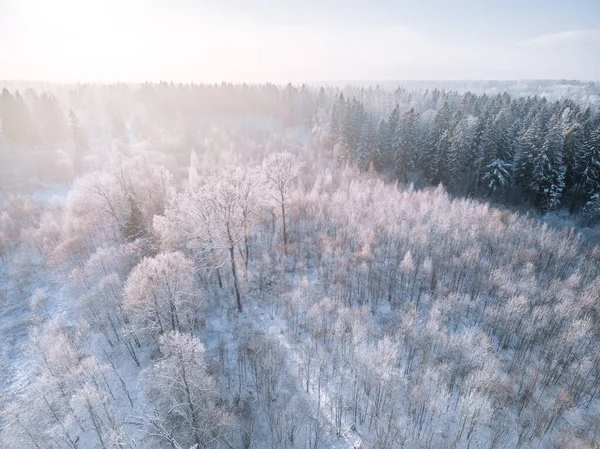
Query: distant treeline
31, 120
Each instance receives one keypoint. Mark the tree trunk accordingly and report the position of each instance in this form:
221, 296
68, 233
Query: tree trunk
191, 405
219, 278
235, 279
247, 250
214, 256
284, 228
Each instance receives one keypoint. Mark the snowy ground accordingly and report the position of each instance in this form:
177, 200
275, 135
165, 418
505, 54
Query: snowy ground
278, 328
16, 289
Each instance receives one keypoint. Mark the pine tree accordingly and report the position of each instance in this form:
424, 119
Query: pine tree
367, 144
17, 124
497, 175
529, 145
573, 157
7, 116
590, 163
472, 158
430, 160
351, 128
338, 115
497, 155
573, 151
407, 143
53, 126
392, 148
461, 142
548, 171
382, 140
452, 154
133, 227
592, 209
444, 162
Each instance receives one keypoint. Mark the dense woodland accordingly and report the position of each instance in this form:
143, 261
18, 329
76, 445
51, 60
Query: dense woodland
223, 266
524, 150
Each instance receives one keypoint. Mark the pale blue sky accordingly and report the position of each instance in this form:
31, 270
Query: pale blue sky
260, 40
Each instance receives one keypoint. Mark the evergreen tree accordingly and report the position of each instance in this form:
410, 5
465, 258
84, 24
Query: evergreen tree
442, 171
392, 142
485, 150
385, 142
472, 158
382, 141
497, 155
591, 164
368, 142
352, 127
592, 209
17, 123
338, 115
431, 159
407, 143
453, 149
548, 171
461, 142
7, 116
133, 227
497, 175
573, 151
573, 157
529, 145
53, 126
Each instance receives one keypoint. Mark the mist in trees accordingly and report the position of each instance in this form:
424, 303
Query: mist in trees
292, 267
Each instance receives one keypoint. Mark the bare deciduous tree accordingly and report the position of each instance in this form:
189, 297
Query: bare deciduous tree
279, 170
182, 396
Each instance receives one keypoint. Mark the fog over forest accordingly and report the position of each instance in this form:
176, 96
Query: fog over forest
320, 242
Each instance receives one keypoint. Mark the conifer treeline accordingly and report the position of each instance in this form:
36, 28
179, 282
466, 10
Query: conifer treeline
512, 149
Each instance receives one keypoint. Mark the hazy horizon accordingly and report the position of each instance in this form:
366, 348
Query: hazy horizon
216, 232
205, 42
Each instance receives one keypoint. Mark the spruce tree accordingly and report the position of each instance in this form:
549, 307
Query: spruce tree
461, 142
573, 157
392, 150
497, 154
407, 143
53, 126
133, 227
453, 152
548, 171
338, 115
591, 210
17, 124
351, 128
382, 142
528, 146
497, 175
591, 164
430, 160
367, 144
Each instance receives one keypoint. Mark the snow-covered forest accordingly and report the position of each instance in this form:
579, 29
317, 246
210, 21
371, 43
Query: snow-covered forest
524, 150
262, 266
